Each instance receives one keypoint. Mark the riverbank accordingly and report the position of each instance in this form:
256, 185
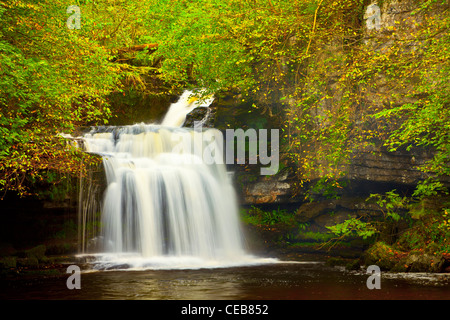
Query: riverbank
282, 238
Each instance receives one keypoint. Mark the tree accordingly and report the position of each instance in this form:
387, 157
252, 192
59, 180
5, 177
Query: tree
53, 79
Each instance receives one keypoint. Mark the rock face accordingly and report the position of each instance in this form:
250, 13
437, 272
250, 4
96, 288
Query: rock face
319, 215
22, 231
383, 15
372, 164
268, 189
371, 168
368, 172
203, 116
420, 262
391, 167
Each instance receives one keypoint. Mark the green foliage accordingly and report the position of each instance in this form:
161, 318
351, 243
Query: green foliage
429, 188
68, 231
274, 217
354, 227
258, 216
382, 255
325, 187
362, 89
53, 79
343, 88
248, 217
431, 232
428, 216
303, 226
311, 236
390, 203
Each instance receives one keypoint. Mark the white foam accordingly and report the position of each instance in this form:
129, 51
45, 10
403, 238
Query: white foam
135, 262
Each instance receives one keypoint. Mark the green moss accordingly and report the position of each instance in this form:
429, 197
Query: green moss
400, 267
37, 252
380, 254
8, 262
353, 265
258, 216
317, 237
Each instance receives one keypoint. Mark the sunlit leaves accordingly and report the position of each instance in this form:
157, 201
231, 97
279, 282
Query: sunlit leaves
53, 79
388, 88
341, 88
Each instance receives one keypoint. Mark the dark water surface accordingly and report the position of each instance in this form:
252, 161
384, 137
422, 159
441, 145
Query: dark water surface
282, 281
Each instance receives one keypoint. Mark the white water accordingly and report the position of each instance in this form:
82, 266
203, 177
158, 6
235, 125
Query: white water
178, 111
163, 206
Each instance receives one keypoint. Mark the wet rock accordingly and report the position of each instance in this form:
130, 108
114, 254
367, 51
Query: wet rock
334, 211
309, 211
267, 192
85, 259
388, 167
353, 265
95, 244
115, 267
419, 262
203, 116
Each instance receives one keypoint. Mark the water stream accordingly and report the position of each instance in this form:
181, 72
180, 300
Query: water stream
307, 280
171, 231
164, 206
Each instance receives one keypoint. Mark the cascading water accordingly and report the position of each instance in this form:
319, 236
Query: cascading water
164, 206
178, 111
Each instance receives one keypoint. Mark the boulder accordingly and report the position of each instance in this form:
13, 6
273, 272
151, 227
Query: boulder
37, 252
420, 262
381, 255
331, 219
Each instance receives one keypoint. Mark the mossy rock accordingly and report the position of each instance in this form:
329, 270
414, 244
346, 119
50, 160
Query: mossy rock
47, 260
8, 262
381, 255
400, 267
388, 259
422, 262
36, 252
353, 265
432, 248
31, 262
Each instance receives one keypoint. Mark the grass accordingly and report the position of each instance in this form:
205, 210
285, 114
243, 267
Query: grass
257, 216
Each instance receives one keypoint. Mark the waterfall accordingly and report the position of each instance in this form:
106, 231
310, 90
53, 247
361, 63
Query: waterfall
178, 111
163, 203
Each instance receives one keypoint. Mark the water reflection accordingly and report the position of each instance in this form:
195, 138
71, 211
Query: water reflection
275, 282
168, 285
